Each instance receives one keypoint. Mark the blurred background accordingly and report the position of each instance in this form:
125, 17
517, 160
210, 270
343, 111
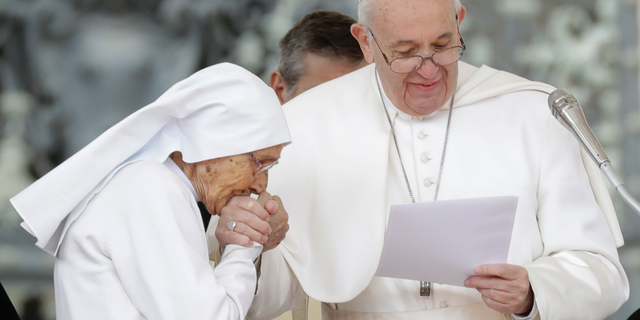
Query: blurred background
69, 69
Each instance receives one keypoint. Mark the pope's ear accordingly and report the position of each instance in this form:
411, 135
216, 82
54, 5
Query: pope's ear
461, 14
361, 34
277, 83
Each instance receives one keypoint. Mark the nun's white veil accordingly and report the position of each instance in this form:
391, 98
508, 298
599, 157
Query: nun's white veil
220, 111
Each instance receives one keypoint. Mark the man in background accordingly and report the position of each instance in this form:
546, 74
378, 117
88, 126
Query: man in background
317, 49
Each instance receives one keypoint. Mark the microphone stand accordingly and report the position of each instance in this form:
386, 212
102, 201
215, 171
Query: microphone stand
617, 183
566, 109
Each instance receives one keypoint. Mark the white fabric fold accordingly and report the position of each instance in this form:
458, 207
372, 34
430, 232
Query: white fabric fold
487, 82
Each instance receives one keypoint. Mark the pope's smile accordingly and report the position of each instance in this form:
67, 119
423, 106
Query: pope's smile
425, 87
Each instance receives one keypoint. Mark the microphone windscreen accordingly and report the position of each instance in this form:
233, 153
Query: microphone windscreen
566, 109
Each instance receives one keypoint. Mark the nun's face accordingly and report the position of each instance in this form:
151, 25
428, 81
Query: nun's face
219, 180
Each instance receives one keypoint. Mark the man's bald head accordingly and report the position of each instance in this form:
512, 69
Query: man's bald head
366, 15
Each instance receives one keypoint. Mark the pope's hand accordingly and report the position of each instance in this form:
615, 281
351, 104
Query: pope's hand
504, 287
252, 221
279, 220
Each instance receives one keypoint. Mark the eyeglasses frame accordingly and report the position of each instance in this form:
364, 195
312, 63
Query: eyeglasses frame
386, 60
262, 167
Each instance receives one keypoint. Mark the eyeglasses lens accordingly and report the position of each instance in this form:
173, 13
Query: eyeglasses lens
441, 58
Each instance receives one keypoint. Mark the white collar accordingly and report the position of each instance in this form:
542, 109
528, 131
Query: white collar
174, 167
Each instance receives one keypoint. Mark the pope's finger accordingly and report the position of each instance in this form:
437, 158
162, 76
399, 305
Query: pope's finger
278, 202
504, 271
264, 197
497, 305
481, 282
250, 205
271, 207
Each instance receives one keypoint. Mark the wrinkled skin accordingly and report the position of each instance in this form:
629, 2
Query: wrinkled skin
224, 184
504, 287
408, 28
250, 215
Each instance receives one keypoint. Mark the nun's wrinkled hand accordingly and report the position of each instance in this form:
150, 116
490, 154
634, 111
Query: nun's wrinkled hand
251, 222
279, 219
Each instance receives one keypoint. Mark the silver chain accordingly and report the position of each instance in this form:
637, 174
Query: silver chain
395, 140
446, 141
425, 287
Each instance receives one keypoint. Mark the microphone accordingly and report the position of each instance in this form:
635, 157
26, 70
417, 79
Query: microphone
566, 109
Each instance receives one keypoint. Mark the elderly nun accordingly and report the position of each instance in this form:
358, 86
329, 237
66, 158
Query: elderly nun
121, 215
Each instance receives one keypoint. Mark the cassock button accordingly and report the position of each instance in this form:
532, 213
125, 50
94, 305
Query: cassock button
422, 135
428, 182
424, 157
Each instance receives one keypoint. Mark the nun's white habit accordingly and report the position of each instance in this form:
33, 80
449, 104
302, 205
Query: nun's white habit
122, 219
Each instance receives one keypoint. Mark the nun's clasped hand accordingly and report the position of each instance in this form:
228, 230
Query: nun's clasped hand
252, 222
252, 219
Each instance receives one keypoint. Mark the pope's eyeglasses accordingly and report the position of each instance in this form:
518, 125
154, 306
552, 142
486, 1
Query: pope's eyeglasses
413, 63
262, 167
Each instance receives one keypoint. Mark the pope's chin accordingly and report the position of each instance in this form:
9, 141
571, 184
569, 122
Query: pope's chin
425, 100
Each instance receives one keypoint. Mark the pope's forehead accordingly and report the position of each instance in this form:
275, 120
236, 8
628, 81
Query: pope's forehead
412, 13
423, 22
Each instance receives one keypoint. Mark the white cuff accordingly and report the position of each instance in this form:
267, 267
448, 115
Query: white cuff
531, 315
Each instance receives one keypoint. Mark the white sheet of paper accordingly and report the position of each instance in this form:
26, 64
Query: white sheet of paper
443, 241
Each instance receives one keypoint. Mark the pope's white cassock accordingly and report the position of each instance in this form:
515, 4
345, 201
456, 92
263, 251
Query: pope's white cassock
341, 174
